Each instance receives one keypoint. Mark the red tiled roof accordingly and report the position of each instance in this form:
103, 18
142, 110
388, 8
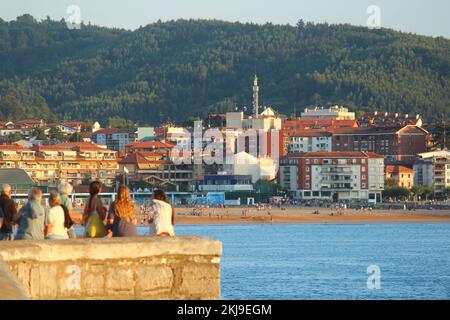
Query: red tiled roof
29, 121
114, 130
140, 157
150, 144
319, 123
398, 168
81, 144
309, 133
338, 154
13, 147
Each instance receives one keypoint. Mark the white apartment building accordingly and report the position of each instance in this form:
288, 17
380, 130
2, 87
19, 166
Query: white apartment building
311, 142
333, 176
332, 113
115, 139
433, 169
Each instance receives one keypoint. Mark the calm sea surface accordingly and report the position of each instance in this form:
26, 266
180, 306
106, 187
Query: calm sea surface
329, 261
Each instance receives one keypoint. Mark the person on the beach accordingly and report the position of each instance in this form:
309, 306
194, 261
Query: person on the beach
8, 213
65, 190
32, 217
56, 226
94, 213
122, 215
163, 215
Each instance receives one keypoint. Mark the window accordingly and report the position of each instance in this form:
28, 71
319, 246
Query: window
316, 161
308, 161
307, 169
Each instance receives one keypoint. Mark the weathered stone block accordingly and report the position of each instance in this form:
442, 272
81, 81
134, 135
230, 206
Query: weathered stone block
48, 287
34, 282
201, 280
119, 280
93, 280
23, 275
153, 278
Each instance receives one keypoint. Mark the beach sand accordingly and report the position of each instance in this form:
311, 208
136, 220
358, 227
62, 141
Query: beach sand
305, 215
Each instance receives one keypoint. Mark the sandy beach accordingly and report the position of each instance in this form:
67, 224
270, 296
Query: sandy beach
305, 215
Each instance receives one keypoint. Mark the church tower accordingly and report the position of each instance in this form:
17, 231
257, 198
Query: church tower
255, 98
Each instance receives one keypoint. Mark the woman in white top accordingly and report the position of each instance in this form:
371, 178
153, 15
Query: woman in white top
163, 215
55, 229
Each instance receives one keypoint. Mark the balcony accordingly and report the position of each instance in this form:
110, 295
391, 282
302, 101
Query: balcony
337, 180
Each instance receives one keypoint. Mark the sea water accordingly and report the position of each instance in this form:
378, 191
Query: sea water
332, 261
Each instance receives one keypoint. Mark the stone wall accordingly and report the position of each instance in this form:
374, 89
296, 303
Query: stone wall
120, 268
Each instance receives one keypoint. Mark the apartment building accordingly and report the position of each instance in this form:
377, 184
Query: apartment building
73, 162
115, 138
310, 141
402, 176
157, 169
433, 169
332, 113
333, 175
396, 144
223, 182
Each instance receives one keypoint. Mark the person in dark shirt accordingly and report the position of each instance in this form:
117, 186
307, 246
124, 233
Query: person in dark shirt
122, 217
8, 213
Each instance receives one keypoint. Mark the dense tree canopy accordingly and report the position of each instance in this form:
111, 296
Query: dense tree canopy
167, 71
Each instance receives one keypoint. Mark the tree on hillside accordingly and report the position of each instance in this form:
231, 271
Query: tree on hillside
39, 133
76, 137
55, 134
118, 122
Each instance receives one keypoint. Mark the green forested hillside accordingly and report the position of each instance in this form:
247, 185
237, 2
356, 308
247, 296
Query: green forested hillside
167, 71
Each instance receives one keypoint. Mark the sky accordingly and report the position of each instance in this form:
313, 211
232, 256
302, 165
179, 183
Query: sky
426, 17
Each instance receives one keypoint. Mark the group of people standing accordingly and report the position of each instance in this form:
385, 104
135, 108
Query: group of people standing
36, 222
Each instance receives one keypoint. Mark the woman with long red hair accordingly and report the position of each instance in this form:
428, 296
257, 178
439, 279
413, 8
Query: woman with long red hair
122, 214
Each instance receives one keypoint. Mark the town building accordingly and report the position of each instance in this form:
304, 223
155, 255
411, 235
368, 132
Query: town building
333, 176
310, 141
400, 175
332, 113
433, 169
266, 120
145, 133
300, 124
396, 144
156, 169
74, 162
148, 146
115, 138
19, 180
223, 182
260, 168
386, 119
72, 127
